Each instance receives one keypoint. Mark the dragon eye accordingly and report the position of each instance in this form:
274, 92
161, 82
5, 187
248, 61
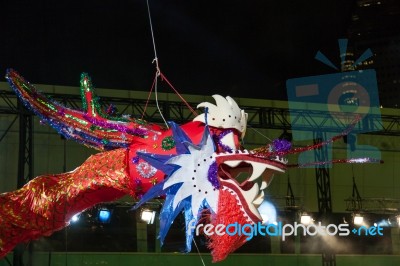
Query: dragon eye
231, 140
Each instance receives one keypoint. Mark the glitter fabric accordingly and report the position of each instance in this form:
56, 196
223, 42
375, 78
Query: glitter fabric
218, 139
47, 203
213, 175
229, 212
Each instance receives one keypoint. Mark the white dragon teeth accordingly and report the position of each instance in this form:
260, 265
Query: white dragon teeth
249, 195
258, 169
281, 159
263, 185
233, 163
259, 199
232, 152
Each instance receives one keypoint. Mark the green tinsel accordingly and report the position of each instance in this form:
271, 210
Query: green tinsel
168, 143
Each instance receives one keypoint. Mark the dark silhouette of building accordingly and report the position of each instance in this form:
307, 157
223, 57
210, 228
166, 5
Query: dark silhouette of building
375, 25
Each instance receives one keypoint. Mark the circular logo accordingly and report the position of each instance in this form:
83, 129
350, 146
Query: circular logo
347, 100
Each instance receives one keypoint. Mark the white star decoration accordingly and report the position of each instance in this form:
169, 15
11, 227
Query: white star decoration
193, 174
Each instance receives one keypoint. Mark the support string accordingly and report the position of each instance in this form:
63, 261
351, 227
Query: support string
258, 132
152, 37
156, 94
155, 60
159, 74
198, 251
148, 97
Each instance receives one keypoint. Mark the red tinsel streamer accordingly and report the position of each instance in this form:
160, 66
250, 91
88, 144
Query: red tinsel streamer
264, 151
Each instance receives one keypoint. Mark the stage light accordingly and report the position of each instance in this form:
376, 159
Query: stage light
148, 216
75, 218
398, 220
358, 219
383, 223
306, 219
104, 215
268, 212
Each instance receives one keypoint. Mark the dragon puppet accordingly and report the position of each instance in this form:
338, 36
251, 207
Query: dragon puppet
193, 167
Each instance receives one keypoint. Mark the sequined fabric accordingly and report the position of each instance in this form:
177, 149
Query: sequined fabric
47, 203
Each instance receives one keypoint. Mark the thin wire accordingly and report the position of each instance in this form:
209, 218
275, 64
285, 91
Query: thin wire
156, 62
198, 251
258, 132
152, 36
158, 107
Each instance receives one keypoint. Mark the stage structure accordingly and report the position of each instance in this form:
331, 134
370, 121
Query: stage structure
258, 117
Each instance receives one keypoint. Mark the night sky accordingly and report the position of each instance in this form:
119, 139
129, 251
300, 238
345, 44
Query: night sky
237, 48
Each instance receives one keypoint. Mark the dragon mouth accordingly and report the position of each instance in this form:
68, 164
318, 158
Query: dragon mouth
246, 176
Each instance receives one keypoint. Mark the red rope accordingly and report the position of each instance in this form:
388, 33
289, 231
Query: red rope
148, 97
172, 87
183, 100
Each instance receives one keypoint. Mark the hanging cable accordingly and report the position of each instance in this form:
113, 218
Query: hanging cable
198, 251
158, 107
258, 132
159, 74
155, 60
152, 36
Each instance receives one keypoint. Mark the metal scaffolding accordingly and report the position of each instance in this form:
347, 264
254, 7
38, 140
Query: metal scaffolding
322, 176
258, 117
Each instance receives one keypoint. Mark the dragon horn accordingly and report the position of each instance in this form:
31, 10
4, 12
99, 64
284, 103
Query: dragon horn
91, 127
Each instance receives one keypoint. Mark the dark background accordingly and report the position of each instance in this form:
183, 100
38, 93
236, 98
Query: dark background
236, 48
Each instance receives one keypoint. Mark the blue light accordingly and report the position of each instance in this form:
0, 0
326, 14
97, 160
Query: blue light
104, 216
268, 212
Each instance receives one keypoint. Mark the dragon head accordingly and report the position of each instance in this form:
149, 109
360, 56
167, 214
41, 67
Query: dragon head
217, 174
245, 174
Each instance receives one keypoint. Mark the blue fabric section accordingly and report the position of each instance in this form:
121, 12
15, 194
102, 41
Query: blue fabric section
180, 138
154, 192
206, 134
189, 234
168, 214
